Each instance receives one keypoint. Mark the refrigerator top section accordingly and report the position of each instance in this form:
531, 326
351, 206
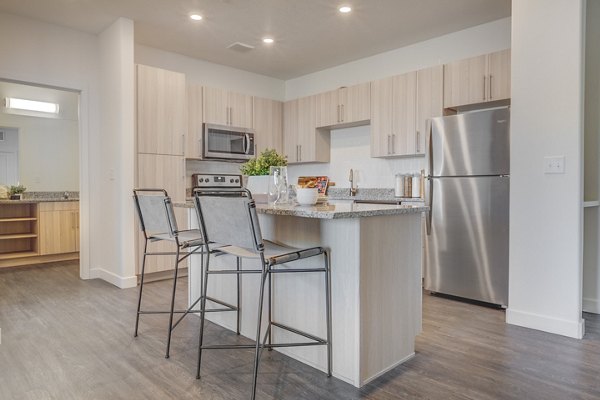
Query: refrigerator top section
470, 144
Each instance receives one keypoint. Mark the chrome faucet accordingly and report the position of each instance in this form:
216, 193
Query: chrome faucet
353, 189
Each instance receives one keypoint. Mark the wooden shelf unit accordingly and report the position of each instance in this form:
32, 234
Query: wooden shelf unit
18, 230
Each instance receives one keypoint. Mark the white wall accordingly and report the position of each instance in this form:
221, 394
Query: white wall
113, 160
48, 152
591, 256
350, 147
546, 210
212, 75
41, 53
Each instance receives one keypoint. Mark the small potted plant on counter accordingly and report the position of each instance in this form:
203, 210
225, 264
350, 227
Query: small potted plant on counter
257, 172
16, 192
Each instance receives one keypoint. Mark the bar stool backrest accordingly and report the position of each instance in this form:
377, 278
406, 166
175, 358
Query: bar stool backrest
228, 216
155, 211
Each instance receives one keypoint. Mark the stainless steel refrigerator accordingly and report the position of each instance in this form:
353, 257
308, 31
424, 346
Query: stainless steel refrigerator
467, 190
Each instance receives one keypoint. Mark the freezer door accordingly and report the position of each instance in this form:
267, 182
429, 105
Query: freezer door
466, 242
470, 144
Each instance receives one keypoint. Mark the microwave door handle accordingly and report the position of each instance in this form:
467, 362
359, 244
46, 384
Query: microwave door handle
246, 143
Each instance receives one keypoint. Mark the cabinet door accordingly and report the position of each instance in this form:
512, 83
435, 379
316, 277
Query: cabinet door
429, 102
193, 147
160, 111
465, 82
381, 116
215, 106
58, 228
404, 112
328, 109
268, 124
499, 75
313, 144
240, 110
290, 131
355, 103
163, 172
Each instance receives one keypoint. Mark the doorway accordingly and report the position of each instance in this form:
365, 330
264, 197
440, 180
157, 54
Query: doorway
9, 156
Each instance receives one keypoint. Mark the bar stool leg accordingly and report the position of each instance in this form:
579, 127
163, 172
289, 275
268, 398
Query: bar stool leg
172, 302
137, 317
328, 311
202, 311
239, 295
270, 305
258, 329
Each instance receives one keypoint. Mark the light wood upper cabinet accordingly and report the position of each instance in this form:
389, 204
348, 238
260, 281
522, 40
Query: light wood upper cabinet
356, 103
268, 124
404, 123
302, 141
430, 99
400, 108
227, 108
477, 79
58, 227
161, 113
193, 145
499, 75
346, 105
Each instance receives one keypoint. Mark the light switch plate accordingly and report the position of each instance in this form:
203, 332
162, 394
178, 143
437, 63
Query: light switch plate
554, 165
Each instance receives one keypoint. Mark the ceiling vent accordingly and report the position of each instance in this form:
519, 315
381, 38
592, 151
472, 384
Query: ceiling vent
240, 47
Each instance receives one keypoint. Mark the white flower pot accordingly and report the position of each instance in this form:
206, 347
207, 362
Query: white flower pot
259, 187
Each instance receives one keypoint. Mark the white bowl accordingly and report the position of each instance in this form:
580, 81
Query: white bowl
307, 196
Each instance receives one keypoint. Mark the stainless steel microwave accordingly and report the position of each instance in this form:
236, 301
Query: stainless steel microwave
222, 142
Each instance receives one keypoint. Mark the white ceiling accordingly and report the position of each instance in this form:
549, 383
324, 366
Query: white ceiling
310, 35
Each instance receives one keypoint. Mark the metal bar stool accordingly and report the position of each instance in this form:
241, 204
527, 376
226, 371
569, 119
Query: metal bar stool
157, 222
229, 216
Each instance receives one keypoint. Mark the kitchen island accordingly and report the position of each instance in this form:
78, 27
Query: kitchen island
375, 253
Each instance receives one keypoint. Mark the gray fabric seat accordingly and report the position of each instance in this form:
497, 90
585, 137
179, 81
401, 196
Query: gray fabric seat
158, 223
229, 216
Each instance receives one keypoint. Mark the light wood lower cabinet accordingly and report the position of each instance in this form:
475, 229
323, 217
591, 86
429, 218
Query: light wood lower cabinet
58, 227
164, 172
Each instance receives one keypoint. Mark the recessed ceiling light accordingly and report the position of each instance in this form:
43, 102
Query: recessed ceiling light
345, 9
196, 17
268, 40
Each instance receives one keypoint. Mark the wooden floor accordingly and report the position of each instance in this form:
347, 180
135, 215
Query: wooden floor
64, 338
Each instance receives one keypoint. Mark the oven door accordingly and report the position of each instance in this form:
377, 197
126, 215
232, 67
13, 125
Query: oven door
228, 143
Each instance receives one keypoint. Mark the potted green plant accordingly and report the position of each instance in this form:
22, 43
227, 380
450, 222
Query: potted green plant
16, 192
257, 170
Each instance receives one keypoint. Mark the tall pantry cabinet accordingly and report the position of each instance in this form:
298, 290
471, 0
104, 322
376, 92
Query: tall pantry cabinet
161, 120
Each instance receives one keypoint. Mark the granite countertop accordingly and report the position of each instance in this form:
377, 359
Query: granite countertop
331, 210
35, 201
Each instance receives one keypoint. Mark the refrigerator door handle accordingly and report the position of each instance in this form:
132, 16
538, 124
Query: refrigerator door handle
429, 147
429, 203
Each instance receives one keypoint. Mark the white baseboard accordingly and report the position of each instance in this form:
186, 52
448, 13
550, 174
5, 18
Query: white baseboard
574, 329
110, 277
591, 306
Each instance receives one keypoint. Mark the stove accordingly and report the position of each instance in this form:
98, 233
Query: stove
217, 180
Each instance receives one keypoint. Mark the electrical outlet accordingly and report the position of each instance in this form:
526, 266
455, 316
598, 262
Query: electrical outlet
554, 165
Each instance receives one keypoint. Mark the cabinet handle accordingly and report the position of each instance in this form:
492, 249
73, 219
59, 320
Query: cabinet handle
343, 116
338, 113
484, 84
183, 172
418, 142
393, 144
297, 152
300, 153
490, 92
183, 144
388, 144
